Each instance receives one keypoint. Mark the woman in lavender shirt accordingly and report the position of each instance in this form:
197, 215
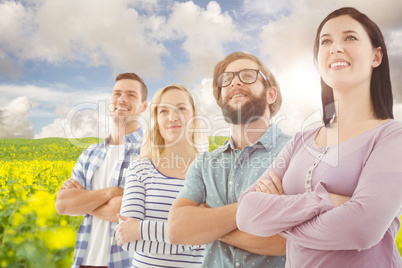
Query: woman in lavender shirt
357, 154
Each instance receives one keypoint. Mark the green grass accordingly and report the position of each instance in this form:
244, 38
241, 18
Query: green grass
59, 148
46, 149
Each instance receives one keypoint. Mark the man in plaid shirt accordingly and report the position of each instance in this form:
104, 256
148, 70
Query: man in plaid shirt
95, 188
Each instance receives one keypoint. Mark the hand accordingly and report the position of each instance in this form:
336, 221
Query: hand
70, 184
273, 186
127, 230
204, 205
338, 200
116, 191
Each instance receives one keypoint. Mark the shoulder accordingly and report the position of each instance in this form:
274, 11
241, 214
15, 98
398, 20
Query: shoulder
390, 130
392, 125
305, 136
140, 167
281, 137
94, 149
215, 154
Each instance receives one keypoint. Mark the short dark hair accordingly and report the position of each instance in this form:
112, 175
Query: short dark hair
380, 85
136, 77
221, 66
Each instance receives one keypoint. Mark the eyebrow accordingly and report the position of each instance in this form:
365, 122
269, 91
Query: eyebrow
168, 105
128, 91
344, 32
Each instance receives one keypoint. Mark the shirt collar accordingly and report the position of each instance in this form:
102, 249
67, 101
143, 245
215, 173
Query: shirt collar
268, 139
134, 137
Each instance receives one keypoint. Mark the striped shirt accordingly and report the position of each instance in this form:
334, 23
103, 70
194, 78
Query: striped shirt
148, 196
83, 172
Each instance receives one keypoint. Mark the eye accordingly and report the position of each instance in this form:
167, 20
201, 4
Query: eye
325, 41
351, 38
182, 109
162, 111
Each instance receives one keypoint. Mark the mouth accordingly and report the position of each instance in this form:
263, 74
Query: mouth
118, 108
174, 127
238, 95
339, 64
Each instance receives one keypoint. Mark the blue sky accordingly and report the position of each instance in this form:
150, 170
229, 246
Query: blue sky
56, 55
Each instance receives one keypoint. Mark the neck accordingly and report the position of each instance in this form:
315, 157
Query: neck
120, 130
182, 148
352, 106
247, 134
180, 155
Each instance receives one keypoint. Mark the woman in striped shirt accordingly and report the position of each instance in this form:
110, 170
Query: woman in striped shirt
154, 181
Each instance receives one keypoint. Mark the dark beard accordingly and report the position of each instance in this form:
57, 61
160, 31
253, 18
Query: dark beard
249, 112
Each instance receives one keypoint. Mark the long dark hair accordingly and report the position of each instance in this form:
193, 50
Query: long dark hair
380, 85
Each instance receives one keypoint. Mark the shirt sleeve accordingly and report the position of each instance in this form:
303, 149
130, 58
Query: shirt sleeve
194, 187
377, 200
79, 168
154, 238
267, 214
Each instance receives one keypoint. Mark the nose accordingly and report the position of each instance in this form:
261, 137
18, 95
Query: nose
122, 98
336, 48
236, 81
173, 115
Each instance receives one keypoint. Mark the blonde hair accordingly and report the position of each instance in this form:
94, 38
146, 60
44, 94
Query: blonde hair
221, 66
154, 143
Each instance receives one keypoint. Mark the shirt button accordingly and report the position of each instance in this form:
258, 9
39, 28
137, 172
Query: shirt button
237, 264
230, 182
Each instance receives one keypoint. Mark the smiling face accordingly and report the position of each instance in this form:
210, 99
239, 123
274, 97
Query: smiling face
173, 113
242, 102
126, 98
346, 57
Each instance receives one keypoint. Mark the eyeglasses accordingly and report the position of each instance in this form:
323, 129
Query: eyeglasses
247, 76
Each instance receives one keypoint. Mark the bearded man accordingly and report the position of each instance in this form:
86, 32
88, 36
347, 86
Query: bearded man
205, 210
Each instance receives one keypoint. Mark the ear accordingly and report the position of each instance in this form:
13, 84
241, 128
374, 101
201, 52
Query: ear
377, 57
144, 106
271, 96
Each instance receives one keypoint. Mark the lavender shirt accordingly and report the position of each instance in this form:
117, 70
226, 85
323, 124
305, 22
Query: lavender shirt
361, 232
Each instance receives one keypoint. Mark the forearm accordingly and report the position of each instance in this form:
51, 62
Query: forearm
272, 245
76, 202
276, 213
154, 240
108, 211
192, 225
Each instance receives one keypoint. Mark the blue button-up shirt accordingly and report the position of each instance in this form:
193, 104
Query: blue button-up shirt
84, 170
219, 177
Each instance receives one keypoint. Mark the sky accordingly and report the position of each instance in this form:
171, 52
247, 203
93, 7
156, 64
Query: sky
59, 58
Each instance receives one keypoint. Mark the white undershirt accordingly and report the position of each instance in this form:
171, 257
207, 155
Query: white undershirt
98, 250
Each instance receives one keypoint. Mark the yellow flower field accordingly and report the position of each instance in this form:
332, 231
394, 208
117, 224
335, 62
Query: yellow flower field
32, 234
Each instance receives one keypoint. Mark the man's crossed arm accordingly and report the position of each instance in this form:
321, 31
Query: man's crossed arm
190, 223
73, 199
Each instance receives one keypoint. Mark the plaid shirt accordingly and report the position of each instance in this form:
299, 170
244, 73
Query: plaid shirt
84, 170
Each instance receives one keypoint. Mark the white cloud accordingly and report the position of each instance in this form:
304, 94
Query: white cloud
80, 125
145, 36
301, 96
288, 42
34, 93
86, 119
14, 119
398, 111
266, 8
55, 99
209, 110
46, 102
205, 31
108, 32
